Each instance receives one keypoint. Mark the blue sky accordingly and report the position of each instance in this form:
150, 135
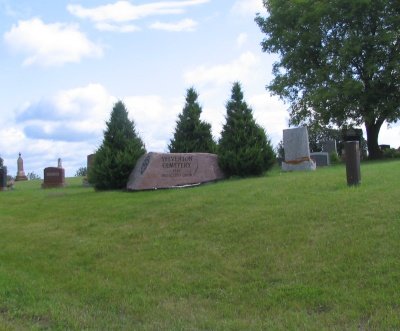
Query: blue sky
65, 63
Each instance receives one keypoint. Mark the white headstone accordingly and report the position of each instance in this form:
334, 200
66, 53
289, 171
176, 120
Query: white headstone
297, 150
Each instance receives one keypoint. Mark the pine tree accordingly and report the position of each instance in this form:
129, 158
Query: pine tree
119, 152
191, 134
244, 148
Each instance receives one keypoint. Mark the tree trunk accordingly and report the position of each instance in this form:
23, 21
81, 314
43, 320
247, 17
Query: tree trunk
373, 129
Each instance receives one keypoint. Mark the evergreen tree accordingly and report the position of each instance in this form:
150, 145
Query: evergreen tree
191, 134
119, 152
244, 148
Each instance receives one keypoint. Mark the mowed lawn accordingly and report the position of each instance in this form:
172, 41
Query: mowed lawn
287, 251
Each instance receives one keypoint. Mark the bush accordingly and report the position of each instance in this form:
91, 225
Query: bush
119, 152
391, 153
244, 148
81, 172
334, 158
32, 176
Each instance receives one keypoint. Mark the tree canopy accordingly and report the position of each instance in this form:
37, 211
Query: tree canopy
339, 61
191, 134
244, 148
119, 152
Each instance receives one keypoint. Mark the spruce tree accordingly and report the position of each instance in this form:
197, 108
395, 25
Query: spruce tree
191, 134
119, 152
244, 148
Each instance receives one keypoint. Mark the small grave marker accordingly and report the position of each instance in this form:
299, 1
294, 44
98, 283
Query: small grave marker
53, 177
321, 159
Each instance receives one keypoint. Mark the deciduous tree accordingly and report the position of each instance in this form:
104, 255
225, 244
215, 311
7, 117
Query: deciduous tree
339, 61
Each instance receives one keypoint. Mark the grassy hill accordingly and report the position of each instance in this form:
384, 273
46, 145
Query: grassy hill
288, 251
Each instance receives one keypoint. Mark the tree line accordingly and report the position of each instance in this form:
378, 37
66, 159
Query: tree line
244, 148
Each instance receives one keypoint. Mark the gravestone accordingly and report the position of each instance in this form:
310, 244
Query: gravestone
89, 164
171, 170
353, 171
3, 176
20, 172
3, 179
329, 146
321, 159
53, 177
89, 161
297, 150
384, 147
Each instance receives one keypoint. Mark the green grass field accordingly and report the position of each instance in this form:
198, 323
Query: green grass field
287, 251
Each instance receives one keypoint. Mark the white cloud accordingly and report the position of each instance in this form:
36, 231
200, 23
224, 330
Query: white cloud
248, 7
389, 135
116, 28
70, 115
56, 125
50, 44
241, 39
154, 118
184, 25
238, 70
124, 11
271, 114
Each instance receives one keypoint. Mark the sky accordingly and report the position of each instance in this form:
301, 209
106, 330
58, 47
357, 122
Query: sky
64, 64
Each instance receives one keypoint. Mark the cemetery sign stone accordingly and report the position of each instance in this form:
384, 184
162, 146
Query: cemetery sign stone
169, 170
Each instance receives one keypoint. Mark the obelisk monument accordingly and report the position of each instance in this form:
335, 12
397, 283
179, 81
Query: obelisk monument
20, 173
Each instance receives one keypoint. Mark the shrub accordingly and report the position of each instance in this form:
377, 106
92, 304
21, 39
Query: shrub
81, 172
244, 148
391, 153
334, 158
119, 152
32, 176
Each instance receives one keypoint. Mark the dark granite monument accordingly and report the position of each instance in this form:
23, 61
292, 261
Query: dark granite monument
321, 159
53, 177
162, 170
329, 146
3, 176
20, 172
353, 171
89, 164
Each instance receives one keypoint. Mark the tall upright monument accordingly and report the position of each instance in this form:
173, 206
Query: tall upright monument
3, 176
20, 173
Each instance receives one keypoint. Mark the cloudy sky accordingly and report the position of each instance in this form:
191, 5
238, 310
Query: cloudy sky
65, 63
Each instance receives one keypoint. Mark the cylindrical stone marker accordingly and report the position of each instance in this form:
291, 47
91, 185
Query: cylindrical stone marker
353, 172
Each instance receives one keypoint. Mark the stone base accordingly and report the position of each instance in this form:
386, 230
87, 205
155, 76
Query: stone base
301, 166
20, 178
